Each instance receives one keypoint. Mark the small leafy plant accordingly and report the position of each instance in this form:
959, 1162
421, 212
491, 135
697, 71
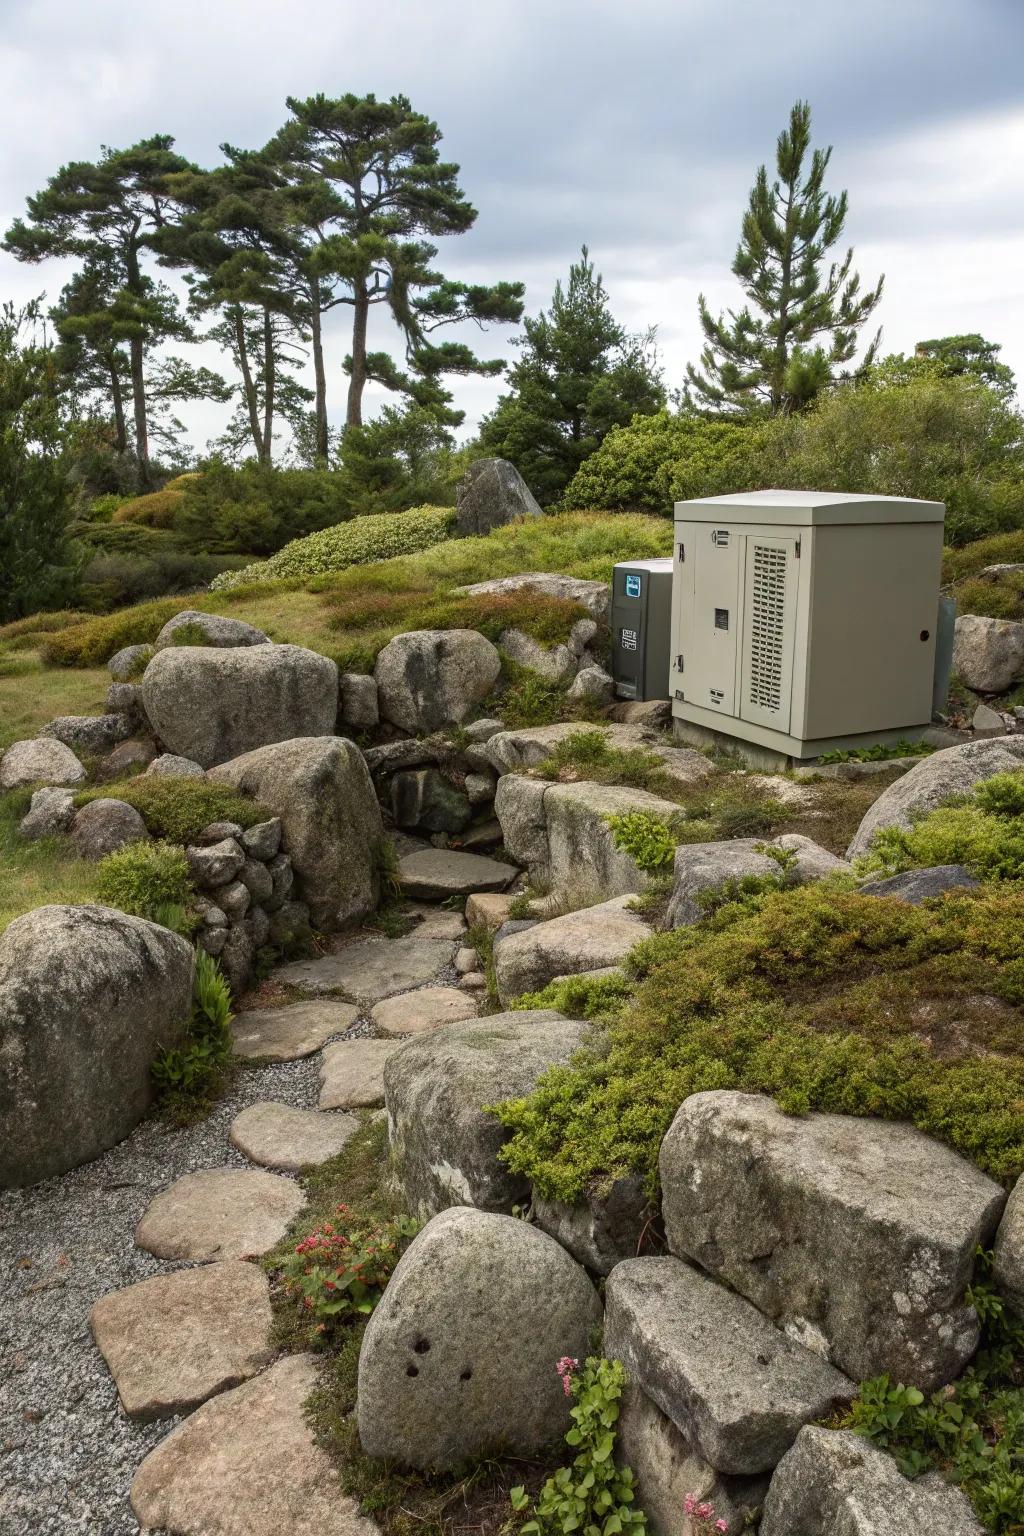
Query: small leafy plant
187, 1075
650, 840
972, 1431
879, 753
338, 1273
594, 1495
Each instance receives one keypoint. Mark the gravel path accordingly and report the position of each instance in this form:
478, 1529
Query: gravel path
67, 1452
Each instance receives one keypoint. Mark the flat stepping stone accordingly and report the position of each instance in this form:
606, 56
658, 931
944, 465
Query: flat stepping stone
281, 1136
438, 924
434, 874
246, 1464
352, 1074
371, 967
175, 1340
412, 1013
221, 1213
289, 1033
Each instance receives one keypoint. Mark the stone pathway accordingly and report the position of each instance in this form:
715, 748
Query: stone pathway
82, 1422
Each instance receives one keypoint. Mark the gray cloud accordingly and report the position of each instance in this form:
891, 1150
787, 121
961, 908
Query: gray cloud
636, 129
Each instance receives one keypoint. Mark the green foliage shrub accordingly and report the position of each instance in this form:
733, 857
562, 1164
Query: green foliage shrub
179, 809
111, 580
997, 549
186, 1076
145, 879
590, 755
158, 509
92, 643
253, 510
355, 543
985, 832
595, 1495
663, 458
973, 1432
525, 698
818, 996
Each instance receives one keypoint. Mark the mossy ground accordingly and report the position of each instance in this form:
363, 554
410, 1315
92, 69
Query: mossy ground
821, 997
41, 873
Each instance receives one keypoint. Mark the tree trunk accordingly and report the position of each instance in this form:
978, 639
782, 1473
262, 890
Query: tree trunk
139, 399
248, 387
136, 352
322, 444
269, 379
117, 398
357, 382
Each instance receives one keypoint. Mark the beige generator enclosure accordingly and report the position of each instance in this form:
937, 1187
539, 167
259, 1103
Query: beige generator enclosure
804, 621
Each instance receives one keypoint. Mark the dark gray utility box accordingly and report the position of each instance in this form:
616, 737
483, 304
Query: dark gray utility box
641, 624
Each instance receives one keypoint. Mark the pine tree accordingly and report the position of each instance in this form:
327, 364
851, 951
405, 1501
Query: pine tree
972, 355
36, 565
108, 212
800, 322
579, 375
367, 184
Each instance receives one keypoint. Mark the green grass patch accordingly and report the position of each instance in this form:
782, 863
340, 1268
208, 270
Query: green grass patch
879, 753
590, 755
38, 874
818, 996
178, 809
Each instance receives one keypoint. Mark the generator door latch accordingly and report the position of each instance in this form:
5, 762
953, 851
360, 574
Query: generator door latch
682, 554
679, 662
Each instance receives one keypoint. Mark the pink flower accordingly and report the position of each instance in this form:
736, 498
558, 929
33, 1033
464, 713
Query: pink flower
720, 1525
565, 1368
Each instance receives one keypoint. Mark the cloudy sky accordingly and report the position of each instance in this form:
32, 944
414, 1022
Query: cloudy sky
635, 128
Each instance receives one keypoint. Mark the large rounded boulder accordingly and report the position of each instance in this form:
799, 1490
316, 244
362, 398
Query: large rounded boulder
988, 654
88, 997
492, 492
190, 626
459, 1357
321, 790
212, 704
430, 678
954, 771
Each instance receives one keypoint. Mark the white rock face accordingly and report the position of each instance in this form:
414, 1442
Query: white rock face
212, 704
217, 630
858, 1233
736, 1387
88, 996
988, 654
42, 761
459, 1355
437, 1088
954, 771
588, 940
595, 596
430, 678
831, 1483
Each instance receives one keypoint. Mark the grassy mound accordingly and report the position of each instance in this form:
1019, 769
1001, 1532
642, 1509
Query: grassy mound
823, 998
179, 809
355, 543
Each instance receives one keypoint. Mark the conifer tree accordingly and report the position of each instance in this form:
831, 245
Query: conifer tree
801, 322
368, 183
579, 375
108, 212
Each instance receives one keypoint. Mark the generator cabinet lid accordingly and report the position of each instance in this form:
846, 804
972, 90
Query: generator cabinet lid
807, 508
661, 565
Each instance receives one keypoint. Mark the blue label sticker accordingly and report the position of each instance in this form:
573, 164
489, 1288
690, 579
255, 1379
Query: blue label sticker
633, 586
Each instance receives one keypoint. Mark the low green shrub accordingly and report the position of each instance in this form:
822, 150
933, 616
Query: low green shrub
354, 543
597, 998
818, 996
145, 879
179, 809
254, 510
94, 642
985, 833
879, 753
596, 1494
649, 839
157, 509
972, 1432
187, 1076
590, 755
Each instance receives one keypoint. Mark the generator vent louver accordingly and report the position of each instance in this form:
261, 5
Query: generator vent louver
768, 612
